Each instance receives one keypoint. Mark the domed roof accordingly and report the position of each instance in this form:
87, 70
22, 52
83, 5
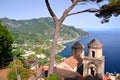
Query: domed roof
78, 45
95, 44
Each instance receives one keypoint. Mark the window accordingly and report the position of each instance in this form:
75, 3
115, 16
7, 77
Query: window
93, 53
75, 51
92, 71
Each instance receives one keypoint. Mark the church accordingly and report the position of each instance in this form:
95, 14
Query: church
91, 64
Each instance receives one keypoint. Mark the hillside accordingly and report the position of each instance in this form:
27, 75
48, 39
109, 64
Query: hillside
38, 29
35, 35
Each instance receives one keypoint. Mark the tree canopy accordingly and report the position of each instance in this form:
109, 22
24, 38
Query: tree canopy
106, 11
109, 10
6, 41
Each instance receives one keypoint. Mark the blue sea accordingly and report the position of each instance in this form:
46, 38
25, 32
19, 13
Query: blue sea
111, 50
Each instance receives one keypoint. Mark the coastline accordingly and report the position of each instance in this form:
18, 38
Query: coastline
62, 43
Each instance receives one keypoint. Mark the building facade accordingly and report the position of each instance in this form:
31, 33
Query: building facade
91, 64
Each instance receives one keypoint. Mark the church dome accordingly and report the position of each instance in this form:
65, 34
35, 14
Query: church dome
78, 45
95, 44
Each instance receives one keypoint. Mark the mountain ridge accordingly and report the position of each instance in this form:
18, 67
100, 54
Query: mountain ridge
43, 27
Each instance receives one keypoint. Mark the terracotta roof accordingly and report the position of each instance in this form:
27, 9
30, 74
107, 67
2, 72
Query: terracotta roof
78, 45
43, 68
30, 62
95, 44
73, 61
106, 77
68, 75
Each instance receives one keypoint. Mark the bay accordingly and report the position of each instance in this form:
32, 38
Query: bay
111, 50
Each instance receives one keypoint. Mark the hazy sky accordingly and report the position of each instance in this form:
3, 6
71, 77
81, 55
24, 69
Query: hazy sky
28, 9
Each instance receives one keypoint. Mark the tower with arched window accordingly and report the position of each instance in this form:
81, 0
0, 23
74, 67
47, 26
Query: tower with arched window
94, 61
91, 64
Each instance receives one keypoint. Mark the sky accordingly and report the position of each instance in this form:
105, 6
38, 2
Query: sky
29, 9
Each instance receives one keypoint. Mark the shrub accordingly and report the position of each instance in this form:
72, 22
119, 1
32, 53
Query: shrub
53, 77
23, 72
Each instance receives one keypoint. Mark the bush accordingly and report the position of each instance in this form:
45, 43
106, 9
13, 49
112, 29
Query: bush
53, 77
23, 72
12, 75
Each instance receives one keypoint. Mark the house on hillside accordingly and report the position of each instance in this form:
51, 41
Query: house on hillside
28, 53
33, 64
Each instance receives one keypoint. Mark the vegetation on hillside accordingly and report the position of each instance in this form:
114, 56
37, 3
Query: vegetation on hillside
53, 77
40, 29
36, 35
17, 68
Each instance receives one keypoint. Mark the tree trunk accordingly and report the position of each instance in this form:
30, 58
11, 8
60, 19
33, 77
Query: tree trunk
53, 48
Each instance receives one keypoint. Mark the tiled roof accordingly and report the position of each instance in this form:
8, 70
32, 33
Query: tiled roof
106, 77
30, 61
43, 68
95, 44
69, 75
73, 61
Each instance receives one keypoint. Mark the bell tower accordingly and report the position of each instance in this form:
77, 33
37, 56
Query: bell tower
94, 61
78, 49
95, 49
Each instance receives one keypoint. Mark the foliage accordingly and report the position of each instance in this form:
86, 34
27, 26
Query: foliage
46, 52
6, 40
17, 52
53, 77
109, 10
37, 50
33, 56
59, 47
12, 75
23, 72
58, 58
43, 62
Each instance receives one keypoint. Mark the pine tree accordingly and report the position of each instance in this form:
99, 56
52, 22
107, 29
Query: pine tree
6, 41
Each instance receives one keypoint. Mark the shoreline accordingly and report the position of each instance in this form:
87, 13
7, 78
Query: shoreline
62, 43
76, 39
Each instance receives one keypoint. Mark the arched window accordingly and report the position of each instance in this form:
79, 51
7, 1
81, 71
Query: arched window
92, 69
93, 54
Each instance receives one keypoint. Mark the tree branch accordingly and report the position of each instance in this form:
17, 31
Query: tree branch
68, 10
92, 10
50, 10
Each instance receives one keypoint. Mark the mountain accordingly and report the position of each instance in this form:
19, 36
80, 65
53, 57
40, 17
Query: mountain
41, 27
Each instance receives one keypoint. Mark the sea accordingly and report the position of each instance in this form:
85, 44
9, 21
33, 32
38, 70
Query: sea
111, 50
